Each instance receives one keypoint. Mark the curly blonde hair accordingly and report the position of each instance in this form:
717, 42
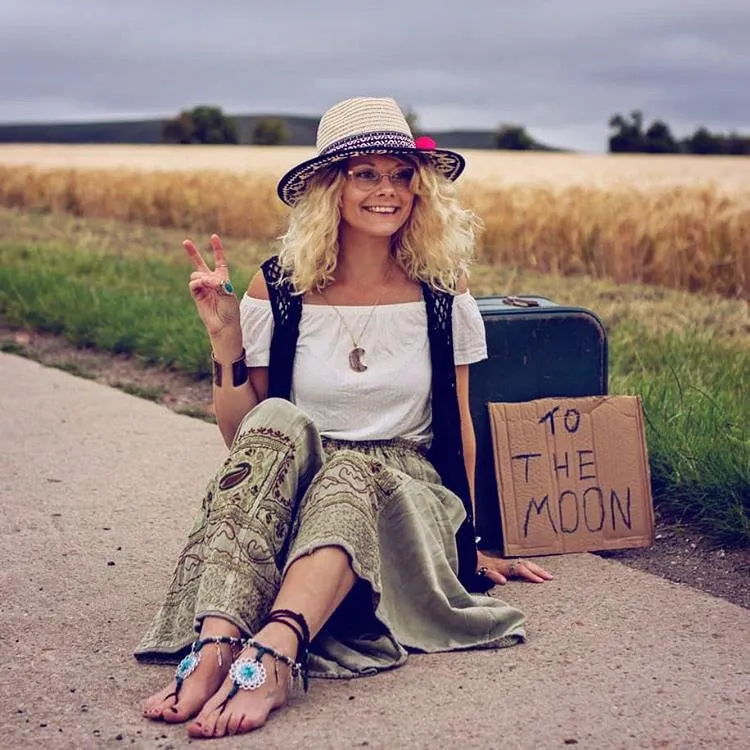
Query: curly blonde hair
436, 243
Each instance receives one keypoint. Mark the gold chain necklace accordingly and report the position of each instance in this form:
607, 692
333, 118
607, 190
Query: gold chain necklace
357, 353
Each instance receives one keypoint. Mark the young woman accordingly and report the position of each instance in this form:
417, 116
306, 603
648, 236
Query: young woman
338, 533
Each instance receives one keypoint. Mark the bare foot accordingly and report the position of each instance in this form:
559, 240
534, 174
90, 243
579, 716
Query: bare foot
196, 688
249, 709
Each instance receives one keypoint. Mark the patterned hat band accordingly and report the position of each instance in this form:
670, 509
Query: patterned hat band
361, 126
386, 139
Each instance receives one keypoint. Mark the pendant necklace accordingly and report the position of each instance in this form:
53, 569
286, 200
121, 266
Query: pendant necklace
357, 353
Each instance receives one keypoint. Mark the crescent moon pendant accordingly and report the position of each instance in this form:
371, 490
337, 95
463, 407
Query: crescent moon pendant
355, 359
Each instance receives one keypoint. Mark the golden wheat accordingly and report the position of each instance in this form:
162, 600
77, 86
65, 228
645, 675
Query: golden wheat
492, 168
685, 237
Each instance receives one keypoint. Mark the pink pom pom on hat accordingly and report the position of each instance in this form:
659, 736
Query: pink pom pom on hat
425, 142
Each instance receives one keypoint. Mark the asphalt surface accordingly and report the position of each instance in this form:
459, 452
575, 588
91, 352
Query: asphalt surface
97, 491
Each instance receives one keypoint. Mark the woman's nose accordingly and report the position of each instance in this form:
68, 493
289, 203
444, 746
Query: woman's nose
385, 184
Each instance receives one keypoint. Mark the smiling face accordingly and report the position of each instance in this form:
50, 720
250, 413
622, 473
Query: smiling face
378, 210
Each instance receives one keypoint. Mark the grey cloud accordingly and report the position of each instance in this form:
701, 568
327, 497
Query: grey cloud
557, 67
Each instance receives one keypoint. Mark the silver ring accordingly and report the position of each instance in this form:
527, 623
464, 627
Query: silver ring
226, 288
514, 565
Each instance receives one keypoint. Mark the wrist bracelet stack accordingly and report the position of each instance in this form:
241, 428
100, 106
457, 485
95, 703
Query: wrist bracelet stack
239, 371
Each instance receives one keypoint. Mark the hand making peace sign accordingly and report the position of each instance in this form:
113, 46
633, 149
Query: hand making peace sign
212, 291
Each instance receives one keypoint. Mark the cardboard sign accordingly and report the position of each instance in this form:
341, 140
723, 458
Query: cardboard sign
572, 475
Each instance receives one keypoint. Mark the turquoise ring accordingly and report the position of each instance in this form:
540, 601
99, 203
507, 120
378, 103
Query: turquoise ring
226, 287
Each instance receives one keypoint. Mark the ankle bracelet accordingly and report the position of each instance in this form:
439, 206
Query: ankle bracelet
283, 617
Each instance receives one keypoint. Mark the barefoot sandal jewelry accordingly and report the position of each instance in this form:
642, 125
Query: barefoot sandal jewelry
190, 662
248, 673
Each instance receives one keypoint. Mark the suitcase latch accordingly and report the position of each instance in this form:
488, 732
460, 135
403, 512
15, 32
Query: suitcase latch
520, 301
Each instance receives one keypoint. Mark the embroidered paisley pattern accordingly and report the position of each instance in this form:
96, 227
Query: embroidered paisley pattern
282, 494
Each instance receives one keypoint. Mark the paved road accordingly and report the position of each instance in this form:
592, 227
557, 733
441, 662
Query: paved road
98, 489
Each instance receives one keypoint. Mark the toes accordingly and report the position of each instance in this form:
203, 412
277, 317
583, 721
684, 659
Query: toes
195, 729
178, 713
205, 723
202, 727
248, 724
233, 723
152, 713
240, 723
221, 723
156, 705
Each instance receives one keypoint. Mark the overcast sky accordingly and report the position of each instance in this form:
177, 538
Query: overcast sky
559, 67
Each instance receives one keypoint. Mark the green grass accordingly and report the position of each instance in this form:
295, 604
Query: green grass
138, 307
11, 347
696, 396
74, 368
149, 392
694, 385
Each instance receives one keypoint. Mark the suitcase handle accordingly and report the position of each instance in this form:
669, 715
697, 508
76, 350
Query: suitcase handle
520, 301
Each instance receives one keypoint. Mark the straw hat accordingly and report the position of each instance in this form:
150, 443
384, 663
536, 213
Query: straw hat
364, 126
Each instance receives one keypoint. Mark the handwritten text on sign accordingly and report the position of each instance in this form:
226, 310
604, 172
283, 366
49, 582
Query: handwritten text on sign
572, 474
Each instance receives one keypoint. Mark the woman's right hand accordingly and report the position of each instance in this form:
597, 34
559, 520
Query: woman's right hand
218, 308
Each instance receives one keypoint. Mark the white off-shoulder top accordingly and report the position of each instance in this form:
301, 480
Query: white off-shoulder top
392, 397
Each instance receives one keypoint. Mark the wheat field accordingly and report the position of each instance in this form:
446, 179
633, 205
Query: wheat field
681, 222
495, 168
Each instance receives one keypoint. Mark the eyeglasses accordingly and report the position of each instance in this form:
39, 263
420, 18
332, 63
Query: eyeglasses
368, 178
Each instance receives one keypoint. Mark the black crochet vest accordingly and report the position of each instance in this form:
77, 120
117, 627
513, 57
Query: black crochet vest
446, 451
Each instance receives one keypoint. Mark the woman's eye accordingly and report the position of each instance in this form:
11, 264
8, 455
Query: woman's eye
366, 174
403, 175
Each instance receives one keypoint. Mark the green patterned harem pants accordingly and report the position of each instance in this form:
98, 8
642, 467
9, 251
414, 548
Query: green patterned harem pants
283, 493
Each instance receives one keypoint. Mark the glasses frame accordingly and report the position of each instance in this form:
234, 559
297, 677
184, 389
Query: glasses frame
396, 184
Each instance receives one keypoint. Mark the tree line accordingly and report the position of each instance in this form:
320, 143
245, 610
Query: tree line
630, 136
208, 124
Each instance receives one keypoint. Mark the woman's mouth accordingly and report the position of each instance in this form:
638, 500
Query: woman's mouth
381, 209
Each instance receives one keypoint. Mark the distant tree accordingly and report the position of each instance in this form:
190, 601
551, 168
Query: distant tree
271, 131
412, 120
178, 130
659, 139
629, 136
737, 145
702, 141
202, 124
513, 138
211, 125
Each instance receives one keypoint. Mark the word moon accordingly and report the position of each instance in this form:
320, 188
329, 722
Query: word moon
355, 359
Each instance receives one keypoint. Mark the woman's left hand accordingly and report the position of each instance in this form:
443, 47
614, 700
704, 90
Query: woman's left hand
499, 570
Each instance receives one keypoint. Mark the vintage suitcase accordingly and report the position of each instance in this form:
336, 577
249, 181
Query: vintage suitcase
536, 349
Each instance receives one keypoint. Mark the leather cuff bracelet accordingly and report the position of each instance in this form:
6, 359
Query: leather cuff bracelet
239, 371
